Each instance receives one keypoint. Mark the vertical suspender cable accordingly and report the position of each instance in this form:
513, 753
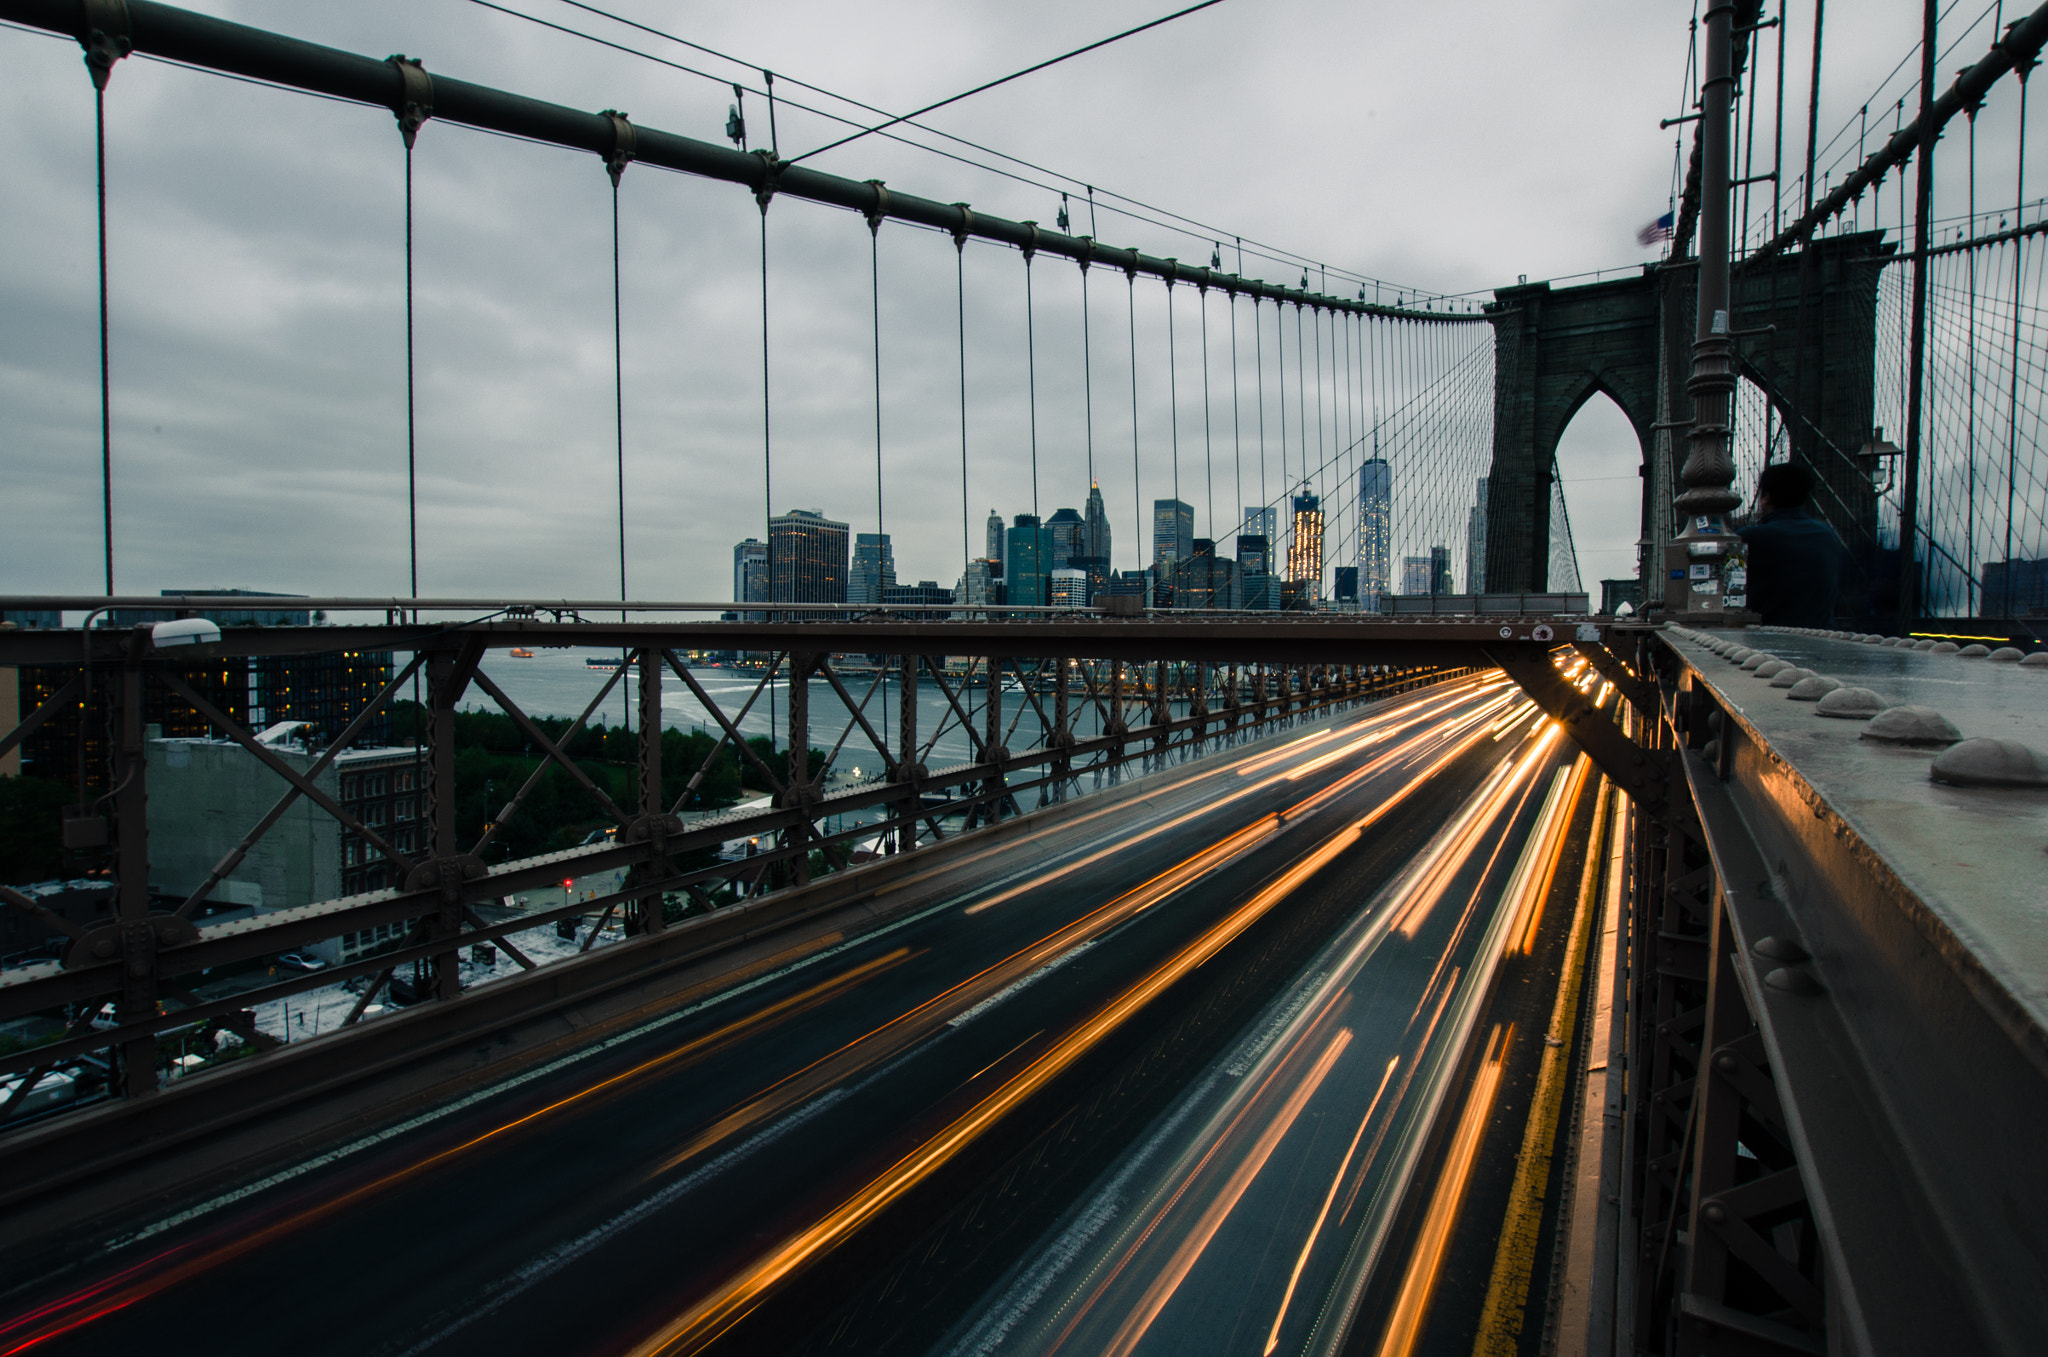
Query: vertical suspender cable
1301, 389
1031, 371
619, 428
767, 463
1236, 424
99, 112
960, 303
1137, 485
412, 495
1970, 599
1923, 197
2019, 254
1173, 409
1087, 380
1259, 355
881, 530
1280, 363
1208, 435
875, 295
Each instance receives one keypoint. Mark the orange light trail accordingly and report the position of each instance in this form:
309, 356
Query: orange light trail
1330, 1197
1156, 1296
717, 1313
1418, 1284
1553, 834
110, 1295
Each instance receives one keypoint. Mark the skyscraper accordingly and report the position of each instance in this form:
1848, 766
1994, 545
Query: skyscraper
976, 586
1173, 534
806, 558
995, 539
1261, 521
874, 570
1027, 552
750, 575
1069, 537
1260, 586
1415, 574
1305, 553
1097, 519
1375, 529
1440, 581
1475, 543
1206, 580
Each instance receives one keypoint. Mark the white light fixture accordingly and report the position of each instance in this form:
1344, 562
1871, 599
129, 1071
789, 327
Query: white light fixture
184, 631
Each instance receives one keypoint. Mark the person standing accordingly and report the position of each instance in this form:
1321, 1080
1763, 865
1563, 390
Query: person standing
1795, 559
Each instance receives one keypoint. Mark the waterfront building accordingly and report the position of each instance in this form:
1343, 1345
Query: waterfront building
1067, 588
807, 558
750, 575
1069, 537
874, 569
1027, 557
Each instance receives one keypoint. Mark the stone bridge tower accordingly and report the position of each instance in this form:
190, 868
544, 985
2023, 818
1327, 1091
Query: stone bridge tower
1631, 339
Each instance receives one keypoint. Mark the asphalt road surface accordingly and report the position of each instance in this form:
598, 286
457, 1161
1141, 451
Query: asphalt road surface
873, 1148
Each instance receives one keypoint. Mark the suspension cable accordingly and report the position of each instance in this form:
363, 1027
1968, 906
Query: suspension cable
99, 115
1031, 371
1137, 479
1208, 436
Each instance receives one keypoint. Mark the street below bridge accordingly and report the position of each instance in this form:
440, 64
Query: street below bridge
772, 1167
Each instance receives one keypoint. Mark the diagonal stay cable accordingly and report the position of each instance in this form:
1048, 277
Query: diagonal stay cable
1004, 80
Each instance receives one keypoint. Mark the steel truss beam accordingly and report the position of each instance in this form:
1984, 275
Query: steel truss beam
141, 956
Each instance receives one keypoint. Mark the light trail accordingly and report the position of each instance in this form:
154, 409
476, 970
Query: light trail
1168, 1281
1504, 1312
155, 1274
1418, 1284
729, 1303
1315, 1230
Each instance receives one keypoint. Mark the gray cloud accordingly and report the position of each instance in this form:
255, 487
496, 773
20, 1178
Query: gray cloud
257, 309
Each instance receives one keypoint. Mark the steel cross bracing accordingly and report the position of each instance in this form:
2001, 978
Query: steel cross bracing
1146, 692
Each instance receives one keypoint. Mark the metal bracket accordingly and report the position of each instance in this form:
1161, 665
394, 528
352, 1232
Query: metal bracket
138, 940
771, 179
1030, 247
106, 39
622, 145
965, 228
415, 97
1642, 696
880, 211
1627, 764
446, 874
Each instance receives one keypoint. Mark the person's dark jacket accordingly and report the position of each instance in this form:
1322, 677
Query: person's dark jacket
1795, 568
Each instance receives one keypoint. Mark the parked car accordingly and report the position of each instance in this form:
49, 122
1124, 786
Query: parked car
299, 961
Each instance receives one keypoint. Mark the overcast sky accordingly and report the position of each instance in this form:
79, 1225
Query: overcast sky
257, 307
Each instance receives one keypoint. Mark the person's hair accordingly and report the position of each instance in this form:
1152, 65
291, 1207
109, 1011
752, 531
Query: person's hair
1788, 485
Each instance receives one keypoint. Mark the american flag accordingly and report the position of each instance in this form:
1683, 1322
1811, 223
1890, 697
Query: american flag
1657, 230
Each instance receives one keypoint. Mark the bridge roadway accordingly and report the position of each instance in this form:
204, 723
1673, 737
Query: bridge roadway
872, 1148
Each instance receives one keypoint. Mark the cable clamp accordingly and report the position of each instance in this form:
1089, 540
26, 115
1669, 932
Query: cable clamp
106, 39
965, 228
1087, 255
878, 213
1031, 243
415, 96
771, 179
1172, 272
622, 144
